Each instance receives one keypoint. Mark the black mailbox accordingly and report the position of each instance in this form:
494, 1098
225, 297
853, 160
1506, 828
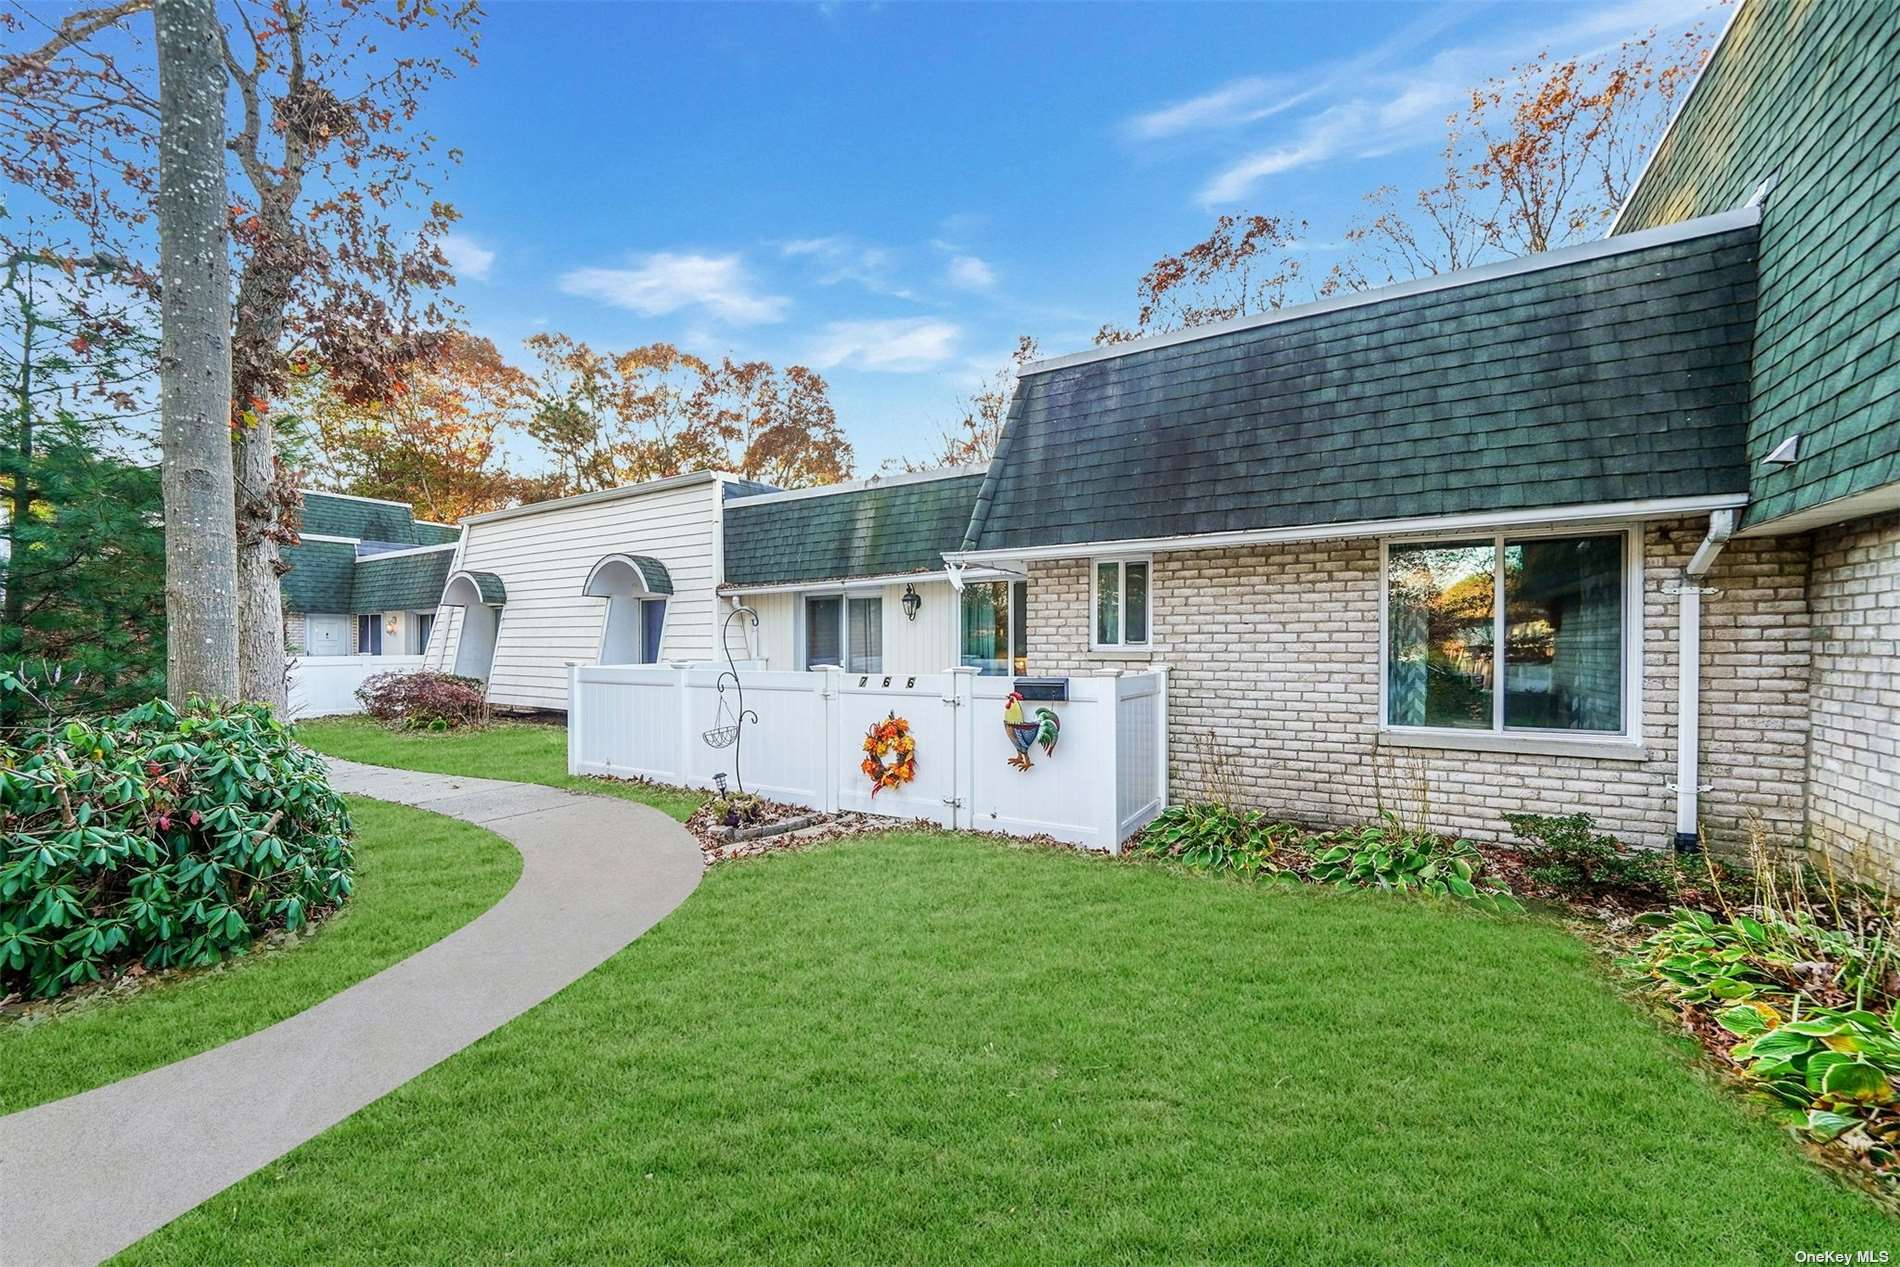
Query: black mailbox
1046, 689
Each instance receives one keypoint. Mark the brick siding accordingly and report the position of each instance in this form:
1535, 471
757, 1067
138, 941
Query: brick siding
1854, 754
1274, 663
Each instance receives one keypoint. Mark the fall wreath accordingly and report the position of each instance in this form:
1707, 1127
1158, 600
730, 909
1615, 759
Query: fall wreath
890, 754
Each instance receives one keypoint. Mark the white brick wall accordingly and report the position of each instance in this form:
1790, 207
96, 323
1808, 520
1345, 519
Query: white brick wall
1274, 652
1854, 756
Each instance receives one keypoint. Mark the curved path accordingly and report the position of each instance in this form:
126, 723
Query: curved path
82, 1178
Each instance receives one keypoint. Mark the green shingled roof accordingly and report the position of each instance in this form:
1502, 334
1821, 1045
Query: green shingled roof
361, 519
319, 577
1613, 378
1805, 92
488, 586
405, 582
886, 529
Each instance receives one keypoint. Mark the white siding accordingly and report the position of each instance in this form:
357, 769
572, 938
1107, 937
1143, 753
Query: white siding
543, 560
925, 645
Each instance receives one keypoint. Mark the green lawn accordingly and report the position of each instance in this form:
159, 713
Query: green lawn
420, 877
931, 1049
522, 751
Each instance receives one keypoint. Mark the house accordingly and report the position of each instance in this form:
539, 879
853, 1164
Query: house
853, 575
624, 576
1612, 528
365, 578
1607, 529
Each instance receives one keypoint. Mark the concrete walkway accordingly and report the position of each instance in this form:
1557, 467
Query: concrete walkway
82, 1178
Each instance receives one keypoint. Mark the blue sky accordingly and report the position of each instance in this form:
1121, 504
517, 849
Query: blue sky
891, 193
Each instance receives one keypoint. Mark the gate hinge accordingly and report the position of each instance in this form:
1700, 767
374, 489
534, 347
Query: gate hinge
954, 802
953, 701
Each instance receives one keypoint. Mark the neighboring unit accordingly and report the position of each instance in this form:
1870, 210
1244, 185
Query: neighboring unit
853, 575
364, 579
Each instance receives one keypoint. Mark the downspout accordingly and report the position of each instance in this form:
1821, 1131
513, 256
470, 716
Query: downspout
1689, 678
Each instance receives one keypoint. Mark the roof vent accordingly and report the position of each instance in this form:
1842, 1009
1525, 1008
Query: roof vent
1785, 453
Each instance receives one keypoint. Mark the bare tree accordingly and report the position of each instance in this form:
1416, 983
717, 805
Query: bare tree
195, 357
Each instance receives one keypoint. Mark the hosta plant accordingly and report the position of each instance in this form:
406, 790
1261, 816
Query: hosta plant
1388, 855
162, 839
1837, 1068
1211, 837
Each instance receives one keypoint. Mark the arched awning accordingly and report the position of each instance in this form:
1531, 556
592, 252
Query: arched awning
474, 589
628, 574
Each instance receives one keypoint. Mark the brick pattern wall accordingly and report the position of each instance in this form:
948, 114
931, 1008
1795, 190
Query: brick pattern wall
1854, 753
1274, 663
295, 630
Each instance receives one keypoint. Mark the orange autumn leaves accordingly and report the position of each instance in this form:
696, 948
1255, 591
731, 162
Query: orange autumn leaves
890, 754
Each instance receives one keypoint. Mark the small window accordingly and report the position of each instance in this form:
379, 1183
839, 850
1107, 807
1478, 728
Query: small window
848, 632
1121, 604
424, 625
652, 626
864, 635
369, 634
824, 631
1556, 607
994, 637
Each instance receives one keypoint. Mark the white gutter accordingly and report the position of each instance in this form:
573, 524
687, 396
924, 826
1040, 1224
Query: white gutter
604, 495
832, 586
1689, 679
1425, 525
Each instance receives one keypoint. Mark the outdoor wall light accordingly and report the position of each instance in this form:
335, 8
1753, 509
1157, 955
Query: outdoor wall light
390, 625
913, 602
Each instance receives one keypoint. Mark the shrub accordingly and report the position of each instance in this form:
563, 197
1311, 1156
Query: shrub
424, 701
163, 839
1389, 855
1210, 837
1568, 853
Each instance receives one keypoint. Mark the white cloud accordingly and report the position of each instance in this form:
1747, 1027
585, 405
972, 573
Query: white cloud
967, 272
1242, 101
1378, 102
842, 258
902, 345
665, 282
470, 260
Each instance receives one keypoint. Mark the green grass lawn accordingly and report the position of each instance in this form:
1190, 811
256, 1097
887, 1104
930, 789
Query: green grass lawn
523, 751
931, 1049
420, 877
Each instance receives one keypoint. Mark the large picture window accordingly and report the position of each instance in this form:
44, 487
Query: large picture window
1121, 604
994, 637
1555, 606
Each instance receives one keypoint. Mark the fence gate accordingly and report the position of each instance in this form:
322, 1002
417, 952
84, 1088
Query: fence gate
929, 703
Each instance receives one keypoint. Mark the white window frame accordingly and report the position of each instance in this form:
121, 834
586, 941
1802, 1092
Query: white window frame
1013, 652
1624, 743
1121, 602
801, 641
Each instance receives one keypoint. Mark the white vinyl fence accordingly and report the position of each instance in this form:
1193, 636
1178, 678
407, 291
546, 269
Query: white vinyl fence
323, 685
1107, 778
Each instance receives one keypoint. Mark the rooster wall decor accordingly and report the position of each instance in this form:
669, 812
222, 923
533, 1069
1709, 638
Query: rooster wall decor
1025, 734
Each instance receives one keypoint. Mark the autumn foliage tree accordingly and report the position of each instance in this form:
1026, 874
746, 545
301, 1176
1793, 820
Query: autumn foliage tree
435, 441
333, 219
1539, 158
608, 418
972, 439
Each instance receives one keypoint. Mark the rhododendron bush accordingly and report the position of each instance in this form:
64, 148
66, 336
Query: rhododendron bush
160, 839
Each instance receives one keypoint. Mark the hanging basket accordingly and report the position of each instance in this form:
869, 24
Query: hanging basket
721, 736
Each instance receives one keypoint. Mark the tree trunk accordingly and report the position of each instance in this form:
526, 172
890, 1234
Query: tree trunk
261, 665
201, 607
